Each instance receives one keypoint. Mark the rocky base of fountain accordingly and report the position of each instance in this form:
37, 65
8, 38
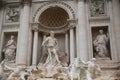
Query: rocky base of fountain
79, 70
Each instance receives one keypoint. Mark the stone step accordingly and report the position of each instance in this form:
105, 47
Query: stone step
107, 63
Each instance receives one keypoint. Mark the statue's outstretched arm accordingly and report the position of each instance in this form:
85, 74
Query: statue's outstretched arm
10, 68
43, 43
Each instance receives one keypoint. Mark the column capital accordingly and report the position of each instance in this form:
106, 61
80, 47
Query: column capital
35, 26
72, 23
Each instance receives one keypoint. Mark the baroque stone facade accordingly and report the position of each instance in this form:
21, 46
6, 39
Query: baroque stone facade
84, 29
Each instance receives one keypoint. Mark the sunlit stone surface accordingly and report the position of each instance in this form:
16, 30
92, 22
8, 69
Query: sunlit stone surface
85, 45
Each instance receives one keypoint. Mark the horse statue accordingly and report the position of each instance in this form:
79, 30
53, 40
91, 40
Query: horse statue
2, 68
74, 72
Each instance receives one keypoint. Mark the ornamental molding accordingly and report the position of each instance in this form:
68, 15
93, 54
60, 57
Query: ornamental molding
47, 5
35, 26
72, 23
10, 27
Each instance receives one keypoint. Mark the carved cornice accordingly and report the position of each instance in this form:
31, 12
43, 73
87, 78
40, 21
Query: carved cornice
56, 3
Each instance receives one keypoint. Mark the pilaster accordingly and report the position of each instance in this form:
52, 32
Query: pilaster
82, 32
23, 34
72, 25
116, 26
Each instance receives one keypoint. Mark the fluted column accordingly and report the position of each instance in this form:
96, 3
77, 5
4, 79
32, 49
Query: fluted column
35, 47
44, 37
1, 22
72, 40
82, 32
72, 52
66, 43
22, 48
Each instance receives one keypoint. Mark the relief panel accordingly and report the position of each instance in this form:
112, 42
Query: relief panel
12, 13
97, 8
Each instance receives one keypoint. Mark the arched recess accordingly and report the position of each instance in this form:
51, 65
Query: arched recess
60, 36
45, 6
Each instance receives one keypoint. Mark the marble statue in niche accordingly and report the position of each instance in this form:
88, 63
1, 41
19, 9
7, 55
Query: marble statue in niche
97, 8
52, 59
100, 44
51, 45
12, 14
10, 49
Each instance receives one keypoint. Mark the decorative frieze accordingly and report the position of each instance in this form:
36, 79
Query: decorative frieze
12, 13
53, 4
97, 8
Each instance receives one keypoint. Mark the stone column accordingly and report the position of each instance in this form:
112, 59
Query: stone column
82, 32
43, 48
1, 23
72, 40
72, 52
35, 47
30, 46
116, 27
66, 43
22, 48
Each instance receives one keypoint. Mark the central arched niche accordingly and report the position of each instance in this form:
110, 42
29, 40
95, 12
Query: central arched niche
53, 18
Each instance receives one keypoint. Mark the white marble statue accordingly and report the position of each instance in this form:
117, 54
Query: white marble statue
100, 44
9, 49
93, 70
53, 62
74, 72
51, 45
24, 75
15, 71
82, 70
2, 68
3, 74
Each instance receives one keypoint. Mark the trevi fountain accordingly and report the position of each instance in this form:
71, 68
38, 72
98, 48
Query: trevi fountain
59, 39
